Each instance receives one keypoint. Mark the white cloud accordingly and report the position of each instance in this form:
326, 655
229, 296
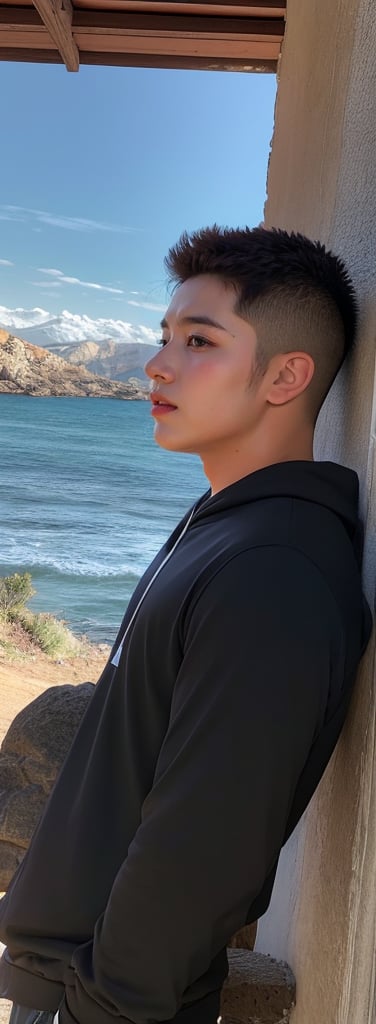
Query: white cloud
46, 284
56, 220
51, 271
41, 327
146, 305
19, 317
76, 280
6, 263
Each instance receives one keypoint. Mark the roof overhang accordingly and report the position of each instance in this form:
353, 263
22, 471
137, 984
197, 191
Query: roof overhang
210, 36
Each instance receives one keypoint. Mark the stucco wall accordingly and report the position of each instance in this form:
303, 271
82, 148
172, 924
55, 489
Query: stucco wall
322, 181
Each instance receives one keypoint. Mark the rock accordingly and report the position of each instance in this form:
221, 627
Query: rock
258, 990
31, 370
31, 755
115, 359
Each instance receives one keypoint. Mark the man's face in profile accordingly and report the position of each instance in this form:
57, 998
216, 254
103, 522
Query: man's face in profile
203, 370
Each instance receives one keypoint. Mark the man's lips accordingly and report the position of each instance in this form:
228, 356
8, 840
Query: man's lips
161, 404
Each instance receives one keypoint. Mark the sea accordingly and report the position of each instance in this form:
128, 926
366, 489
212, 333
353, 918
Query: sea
87, 499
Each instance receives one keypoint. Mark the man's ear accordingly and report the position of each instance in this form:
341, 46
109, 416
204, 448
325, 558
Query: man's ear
290, 374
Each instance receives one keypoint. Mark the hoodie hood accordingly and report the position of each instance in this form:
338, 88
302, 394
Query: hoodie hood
326, 483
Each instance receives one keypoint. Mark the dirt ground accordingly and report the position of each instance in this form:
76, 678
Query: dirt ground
23, 680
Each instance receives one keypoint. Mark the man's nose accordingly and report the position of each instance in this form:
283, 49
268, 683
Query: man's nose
160, 366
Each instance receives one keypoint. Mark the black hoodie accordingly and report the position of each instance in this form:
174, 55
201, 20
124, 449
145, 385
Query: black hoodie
196, 756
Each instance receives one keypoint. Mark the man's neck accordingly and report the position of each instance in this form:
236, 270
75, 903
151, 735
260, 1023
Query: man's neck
225, 468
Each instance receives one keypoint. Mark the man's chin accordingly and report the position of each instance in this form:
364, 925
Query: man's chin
172, 444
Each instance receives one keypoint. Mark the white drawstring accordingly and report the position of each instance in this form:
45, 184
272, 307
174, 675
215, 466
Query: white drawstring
116, 658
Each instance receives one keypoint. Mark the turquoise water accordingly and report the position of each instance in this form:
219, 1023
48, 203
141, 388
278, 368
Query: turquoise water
87, 499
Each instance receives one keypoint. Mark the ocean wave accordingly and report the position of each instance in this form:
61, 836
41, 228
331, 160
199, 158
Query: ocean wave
67, 566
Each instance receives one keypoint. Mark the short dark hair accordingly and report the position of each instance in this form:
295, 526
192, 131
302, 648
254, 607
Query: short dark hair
296, 294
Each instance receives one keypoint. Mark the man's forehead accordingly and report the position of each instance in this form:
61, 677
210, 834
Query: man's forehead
198, 299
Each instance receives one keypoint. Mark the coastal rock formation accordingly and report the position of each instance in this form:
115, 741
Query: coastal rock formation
117, 360
30, 370
31, 755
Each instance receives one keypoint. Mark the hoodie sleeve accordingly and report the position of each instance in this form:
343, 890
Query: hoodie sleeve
248, 702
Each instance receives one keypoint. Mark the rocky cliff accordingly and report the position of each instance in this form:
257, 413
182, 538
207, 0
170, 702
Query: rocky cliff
31, 370
114, 359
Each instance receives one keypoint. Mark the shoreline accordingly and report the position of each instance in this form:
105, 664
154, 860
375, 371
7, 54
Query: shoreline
66, 394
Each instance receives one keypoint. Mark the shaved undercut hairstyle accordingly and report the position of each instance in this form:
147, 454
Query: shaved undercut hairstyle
296, 294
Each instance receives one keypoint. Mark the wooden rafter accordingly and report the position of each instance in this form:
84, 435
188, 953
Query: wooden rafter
57, 16
225, 35
176, 24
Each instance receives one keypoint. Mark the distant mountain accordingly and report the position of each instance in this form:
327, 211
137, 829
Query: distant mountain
116, 360
33, 370
112, 348
40, 327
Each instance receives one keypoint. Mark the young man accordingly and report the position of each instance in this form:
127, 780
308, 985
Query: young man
231, 675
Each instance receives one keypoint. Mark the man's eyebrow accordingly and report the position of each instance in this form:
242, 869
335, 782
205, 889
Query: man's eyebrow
205, 321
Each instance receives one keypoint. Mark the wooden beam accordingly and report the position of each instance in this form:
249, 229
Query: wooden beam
218, 39
57, 17
174, 24
26, 55
15, 17
214, 48
112, 20
33, 55
259, 65
262, 9
168, 36
24, 37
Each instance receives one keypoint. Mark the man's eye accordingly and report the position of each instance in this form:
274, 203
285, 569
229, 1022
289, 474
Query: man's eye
196, 341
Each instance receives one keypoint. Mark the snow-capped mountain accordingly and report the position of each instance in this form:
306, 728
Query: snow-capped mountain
111, 348
43, 328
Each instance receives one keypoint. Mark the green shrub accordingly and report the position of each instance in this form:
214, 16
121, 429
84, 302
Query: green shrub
52, 635
15, 591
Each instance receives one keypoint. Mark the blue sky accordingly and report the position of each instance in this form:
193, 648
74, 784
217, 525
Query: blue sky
102, 170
